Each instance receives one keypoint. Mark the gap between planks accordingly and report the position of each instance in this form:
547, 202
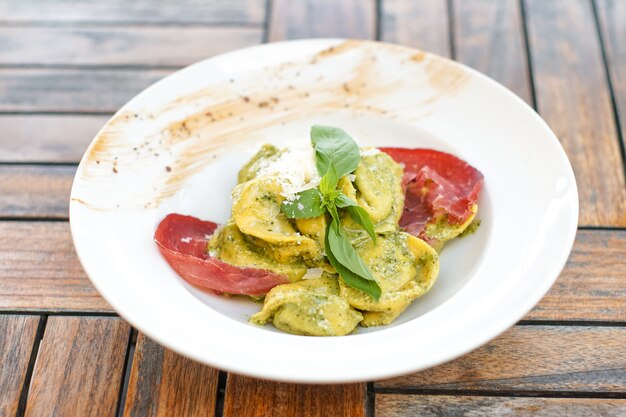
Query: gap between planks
221, 391
609, 80
502, 393
41, 328
128, 365
529, 62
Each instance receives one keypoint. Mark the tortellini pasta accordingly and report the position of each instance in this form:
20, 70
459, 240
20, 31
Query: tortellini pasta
405, 268
230, 245
256, 212
259, 235
309, 307
442, 231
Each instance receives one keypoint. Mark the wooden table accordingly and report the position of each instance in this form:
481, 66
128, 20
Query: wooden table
66, 66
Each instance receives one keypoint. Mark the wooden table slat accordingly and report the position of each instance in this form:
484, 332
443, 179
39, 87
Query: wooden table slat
39, 270
419, 24
573, 97
72, 90
533, 359
135, 45
397, 405
35, 190
612, 20
17, 338
322, 18
47, 138
80, 367
138, 11
163, 383
489, 36
592, 284
248, 397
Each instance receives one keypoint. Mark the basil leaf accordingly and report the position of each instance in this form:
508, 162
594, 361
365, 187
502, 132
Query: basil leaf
336, 147
332, 209
342, 249
335, 238
358, 214
343, 201
329, 181
308, 205
360, 217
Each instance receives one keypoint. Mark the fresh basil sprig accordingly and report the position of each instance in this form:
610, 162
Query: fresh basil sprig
308, 204
336, 155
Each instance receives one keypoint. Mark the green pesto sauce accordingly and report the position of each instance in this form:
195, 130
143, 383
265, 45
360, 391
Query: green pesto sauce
471, 229
266, 154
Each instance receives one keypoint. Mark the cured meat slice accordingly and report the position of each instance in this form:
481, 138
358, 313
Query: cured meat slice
437, 184
182, 240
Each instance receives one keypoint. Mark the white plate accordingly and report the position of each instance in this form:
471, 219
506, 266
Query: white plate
178, 145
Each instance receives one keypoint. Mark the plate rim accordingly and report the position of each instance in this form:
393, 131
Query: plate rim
365, 375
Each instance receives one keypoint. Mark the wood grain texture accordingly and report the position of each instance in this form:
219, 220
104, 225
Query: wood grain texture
489, 36
17, 338
248, 397
138, 11
41, 138
143, 46
397, 405
612, 20
163, 383
573, 97
80, 367
420, 24
71, 90
534, 359
39, 270
593, 284
35, 190
322, 18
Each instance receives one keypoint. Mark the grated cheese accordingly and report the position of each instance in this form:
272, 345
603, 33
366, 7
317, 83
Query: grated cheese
295, 171
369, 151
313, 273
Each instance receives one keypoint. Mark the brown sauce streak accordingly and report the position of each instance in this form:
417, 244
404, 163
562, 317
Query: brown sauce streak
445, 77
234, 118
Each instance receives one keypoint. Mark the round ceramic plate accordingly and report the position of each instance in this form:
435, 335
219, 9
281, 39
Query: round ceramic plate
178, 145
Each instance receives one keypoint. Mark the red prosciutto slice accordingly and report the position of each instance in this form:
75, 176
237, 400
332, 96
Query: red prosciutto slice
436, 183
183, 240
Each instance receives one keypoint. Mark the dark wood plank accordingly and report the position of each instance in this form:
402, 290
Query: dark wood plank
71, 90
39, 270
534, 359
17, 338
41, 138
397, 405
322, 18
80, 367
419, 24
140, 11
135, 45
251, 397
573, 97
612, 19
489, 36
35, 190
592, 285
163, 383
